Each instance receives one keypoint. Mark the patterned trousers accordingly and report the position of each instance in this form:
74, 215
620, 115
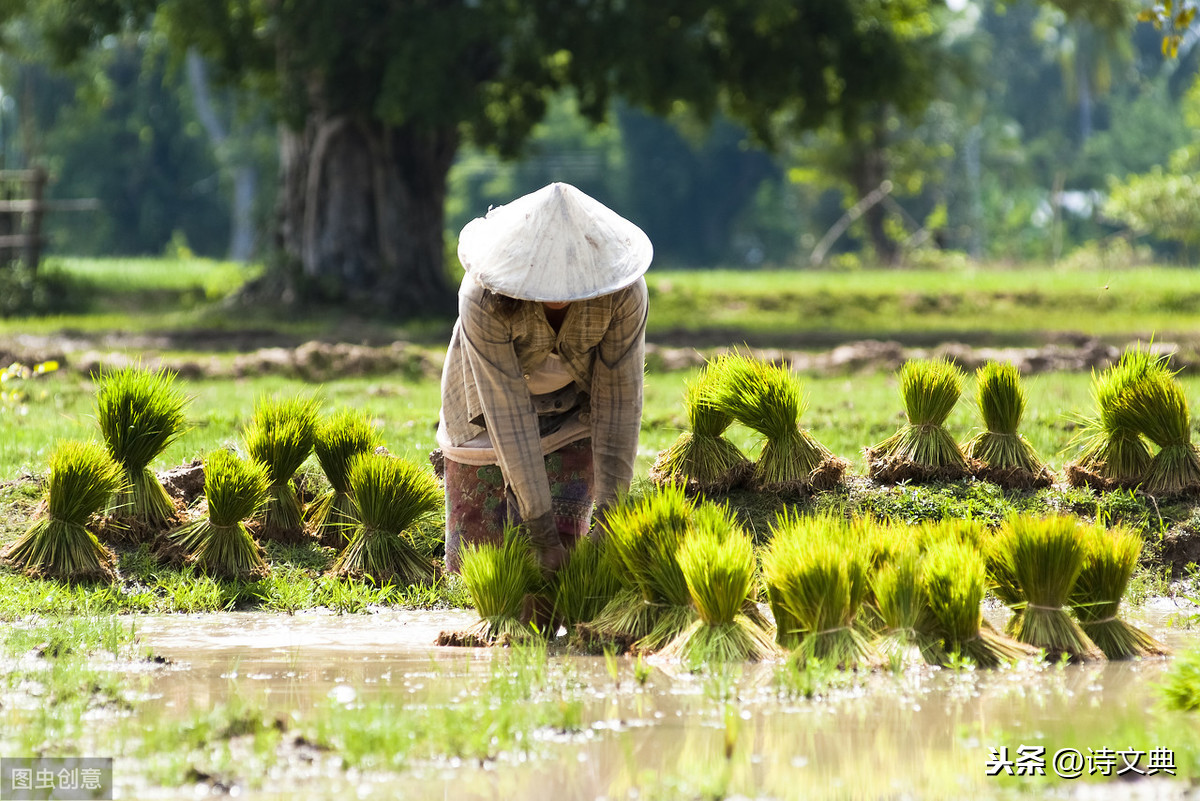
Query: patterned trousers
478, 504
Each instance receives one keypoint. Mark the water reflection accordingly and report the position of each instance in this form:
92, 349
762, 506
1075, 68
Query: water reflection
920, 733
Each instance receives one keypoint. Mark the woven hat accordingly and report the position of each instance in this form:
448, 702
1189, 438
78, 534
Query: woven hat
555, 244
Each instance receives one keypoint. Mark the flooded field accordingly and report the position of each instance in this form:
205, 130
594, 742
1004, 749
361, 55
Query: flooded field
408, 719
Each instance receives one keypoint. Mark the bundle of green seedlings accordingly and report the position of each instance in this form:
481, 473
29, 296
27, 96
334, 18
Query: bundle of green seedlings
140, 414
337, 440
1109, 564
1002, 581
779, 561
901, 603
499, 579
954, 578
1157, 407
923, 449
1004, 456
390, 497
280, 436
83, 477
770, 400
589, 580
1112, 453
717, 560
816, 583
1044, 557
702, 459
645, 534
220, 544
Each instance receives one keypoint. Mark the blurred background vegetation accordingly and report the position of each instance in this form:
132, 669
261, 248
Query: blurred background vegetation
1042, 136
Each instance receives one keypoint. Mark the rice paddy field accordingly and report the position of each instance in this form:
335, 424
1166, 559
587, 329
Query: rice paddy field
298, 682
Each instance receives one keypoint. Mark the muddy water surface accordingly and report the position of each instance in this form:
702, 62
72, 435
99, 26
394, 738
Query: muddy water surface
915, 733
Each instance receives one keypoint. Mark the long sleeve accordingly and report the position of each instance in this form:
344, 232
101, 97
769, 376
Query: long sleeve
507, 407
617, 394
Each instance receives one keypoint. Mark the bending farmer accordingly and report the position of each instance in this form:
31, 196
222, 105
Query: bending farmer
542, 385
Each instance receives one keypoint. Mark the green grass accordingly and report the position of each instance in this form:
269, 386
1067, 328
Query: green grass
984, 305
1019, 305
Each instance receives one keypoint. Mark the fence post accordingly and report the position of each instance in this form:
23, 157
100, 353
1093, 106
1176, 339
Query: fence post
33, 232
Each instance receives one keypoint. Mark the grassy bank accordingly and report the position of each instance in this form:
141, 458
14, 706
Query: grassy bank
990, 304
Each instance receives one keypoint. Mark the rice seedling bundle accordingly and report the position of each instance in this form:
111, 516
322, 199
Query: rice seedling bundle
717, 560
820, 585
140, 413
338, 439
770, 400
702, 459
586, 583
280, 436
1005, 456
902, 606
1112, 453
1045, 556
1110, 562
1002, 581
1157, 408
390, 496
498, 578
781, 558
954, 578
645, 535
220, 544
922, 449
83, 477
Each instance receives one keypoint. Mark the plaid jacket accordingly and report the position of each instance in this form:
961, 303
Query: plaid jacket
602, 345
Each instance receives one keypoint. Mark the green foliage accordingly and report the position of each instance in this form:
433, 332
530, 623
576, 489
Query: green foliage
1044, 558
280, 435
498, 578
336, 441
220, 544
1110, 443
1112, 556
717, 560
818, 578
141, 412
702, 457
1181, 687
338, 438
954, 579
59, 545
769, 399
1158, 203
1001, 399
390, 497
1157, 408
234, 490
930, 389
587, 582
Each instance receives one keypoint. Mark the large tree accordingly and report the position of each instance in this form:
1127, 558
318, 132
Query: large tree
375, 97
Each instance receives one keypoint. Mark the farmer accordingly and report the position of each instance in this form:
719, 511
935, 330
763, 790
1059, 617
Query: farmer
542, 385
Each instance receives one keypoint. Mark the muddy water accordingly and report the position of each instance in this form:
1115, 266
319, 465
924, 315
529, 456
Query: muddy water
918, 733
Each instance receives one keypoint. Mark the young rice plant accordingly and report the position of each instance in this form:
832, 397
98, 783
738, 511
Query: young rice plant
280, 436
59, 545
140, 413
922, 449
220, 544
391, 495
1006, 457
338, 439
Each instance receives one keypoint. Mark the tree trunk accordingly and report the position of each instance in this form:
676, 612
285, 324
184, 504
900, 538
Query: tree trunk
361, 214
869, 172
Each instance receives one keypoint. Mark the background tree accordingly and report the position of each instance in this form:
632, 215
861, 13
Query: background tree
376, 97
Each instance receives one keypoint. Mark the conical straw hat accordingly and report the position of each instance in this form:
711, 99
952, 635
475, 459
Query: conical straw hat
555, 244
